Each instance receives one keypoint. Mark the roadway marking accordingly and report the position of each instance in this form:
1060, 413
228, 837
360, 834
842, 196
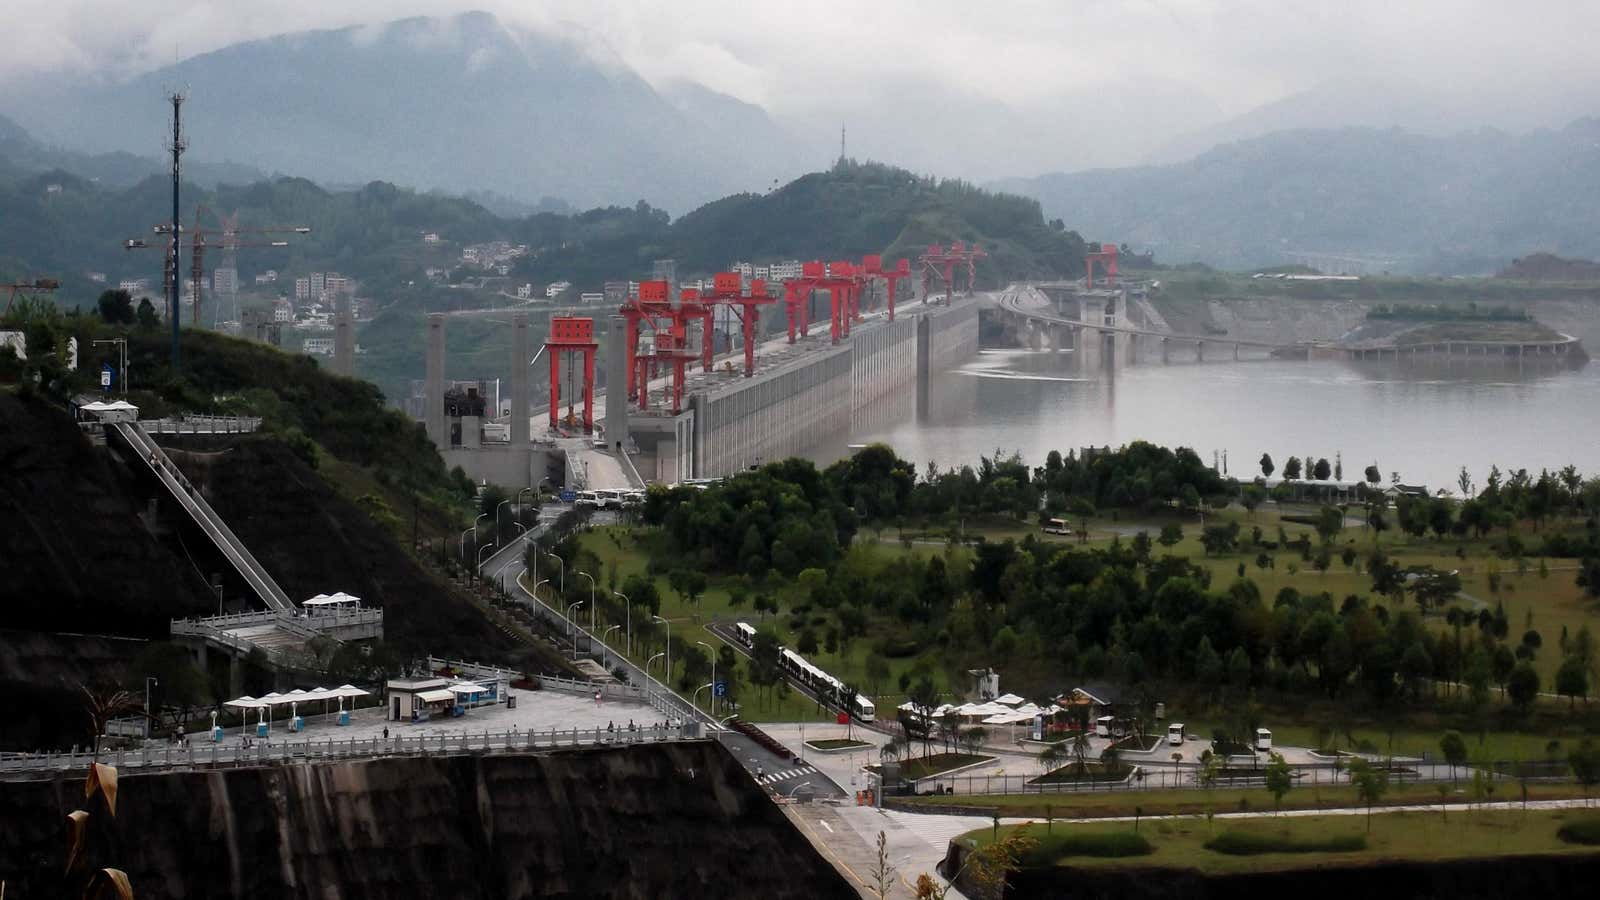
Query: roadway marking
825, 825
786, 774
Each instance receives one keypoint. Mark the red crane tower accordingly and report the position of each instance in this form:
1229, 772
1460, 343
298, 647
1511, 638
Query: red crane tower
571, 334
1107, 257
650, 306
943, 262
797, 297
873, 267
727, 288
669, 347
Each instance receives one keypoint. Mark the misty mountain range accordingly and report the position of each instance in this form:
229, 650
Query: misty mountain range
1406, 202
458, 104
523, 123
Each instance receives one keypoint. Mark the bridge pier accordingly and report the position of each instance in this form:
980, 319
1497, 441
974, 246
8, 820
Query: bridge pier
1199, 351
1165, 348
1235, 352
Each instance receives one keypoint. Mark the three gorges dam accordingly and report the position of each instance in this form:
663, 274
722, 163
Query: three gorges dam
691, 387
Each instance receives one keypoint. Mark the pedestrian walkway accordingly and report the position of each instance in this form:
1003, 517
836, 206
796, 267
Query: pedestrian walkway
786, 774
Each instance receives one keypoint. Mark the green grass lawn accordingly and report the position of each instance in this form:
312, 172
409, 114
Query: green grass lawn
1196, 801
1425, 836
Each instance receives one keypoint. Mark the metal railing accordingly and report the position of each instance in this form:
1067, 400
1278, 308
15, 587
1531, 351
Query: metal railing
231, 751
204, 516
199, 424
1168, 777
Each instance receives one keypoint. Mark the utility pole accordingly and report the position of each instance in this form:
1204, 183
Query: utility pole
177, 147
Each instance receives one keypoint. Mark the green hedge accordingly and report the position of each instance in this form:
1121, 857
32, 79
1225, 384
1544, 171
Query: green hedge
1245, 843
1070, 841
1583, 831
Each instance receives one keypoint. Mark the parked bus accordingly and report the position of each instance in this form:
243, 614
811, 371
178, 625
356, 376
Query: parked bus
746, 632
1056, 526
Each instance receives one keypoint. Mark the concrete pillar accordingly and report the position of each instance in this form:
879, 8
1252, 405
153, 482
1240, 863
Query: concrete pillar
1235, 352
924, 364
520, 399
433, 382
344, 338
1165, 347
1199, 351
471, 432
616, 421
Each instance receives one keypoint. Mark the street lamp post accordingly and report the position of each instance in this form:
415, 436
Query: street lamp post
497, 521
713, 654
592, 604
563, 571
627, 605
462, 551
667, 627
475, 522
148, 681
603, 656
480, 553
695, 700
572, 626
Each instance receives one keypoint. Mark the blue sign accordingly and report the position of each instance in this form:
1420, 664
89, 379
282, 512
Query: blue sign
568, 496
107, 375
720, 689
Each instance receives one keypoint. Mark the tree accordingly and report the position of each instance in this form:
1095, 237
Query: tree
146, 314
102, 704
1291, 468
924, 699
1371, 782
1321, 470
1279, 779
1589, 576
1523, 686
882, 872
1572, 680
1373, 474
1171, 534
1330, 521
1251, 496
1454, 750
1266, 465
116, 307
806, 643
877, 672
1585, 762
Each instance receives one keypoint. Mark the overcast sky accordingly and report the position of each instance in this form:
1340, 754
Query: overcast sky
1175, 64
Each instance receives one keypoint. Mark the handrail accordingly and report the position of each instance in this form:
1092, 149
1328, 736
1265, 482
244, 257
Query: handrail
247, 565
272, 750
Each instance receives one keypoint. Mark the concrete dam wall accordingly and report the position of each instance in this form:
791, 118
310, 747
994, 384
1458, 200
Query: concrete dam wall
645, 821
784, 412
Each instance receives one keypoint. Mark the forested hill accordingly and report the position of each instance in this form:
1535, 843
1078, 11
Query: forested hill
848, 211
1465, 204
57, 223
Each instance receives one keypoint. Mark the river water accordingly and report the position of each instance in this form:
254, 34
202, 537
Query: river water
1424, 421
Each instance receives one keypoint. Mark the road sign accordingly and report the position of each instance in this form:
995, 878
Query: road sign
720, 689
106, 375
842, 718
568, 496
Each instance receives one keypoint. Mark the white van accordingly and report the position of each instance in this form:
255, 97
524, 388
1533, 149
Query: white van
590, 499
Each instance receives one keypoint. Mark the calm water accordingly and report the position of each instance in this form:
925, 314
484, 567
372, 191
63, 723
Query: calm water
1424, 421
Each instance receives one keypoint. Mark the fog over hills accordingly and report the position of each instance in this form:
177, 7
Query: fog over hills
458, 104
1466, 203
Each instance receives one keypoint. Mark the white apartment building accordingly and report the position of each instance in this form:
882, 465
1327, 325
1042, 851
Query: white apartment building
302, 289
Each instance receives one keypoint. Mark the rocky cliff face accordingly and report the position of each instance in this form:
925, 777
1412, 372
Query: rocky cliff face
648, 822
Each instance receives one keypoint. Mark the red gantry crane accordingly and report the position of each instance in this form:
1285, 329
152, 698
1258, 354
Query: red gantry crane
1107, 257
727, 288
873, 267
942, 262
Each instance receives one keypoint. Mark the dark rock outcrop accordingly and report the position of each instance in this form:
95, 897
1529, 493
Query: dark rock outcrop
650, 821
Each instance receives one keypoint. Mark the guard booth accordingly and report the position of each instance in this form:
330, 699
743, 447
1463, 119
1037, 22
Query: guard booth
1263, 739
404, 696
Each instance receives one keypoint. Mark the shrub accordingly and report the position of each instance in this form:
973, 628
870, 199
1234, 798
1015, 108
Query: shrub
1249, 843
1072, 842
1582, 831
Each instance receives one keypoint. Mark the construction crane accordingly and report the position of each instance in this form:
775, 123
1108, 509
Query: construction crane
28, 289
227, 237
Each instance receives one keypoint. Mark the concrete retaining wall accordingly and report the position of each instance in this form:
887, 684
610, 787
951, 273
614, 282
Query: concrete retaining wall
785, 412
